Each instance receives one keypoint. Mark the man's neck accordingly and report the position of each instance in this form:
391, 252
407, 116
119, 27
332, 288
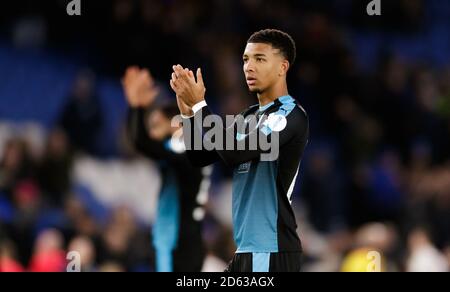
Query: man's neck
270, 95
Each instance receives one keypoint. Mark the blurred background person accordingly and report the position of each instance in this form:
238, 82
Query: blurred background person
54, 169
177, 233
8, 257
423, 256
49, 254
82, 116
86, 249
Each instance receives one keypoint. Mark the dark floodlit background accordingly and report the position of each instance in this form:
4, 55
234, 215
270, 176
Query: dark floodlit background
376, 174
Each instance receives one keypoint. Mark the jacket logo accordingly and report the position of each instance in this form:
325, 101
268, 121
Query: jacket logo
244, 167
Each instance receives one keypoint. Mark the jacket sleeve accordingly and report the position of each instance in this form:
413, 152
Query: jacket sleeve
142, 142
196, 152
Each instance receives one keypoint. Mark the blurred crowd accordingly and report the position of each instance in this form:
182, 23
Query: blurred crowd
375, 176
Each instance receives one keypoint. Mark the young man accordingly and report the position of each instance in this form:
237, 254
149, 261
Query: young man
264, 222
177, 236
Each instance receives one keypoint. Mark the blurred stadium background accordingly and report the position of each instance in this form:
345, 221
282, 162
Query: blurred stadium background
376, 174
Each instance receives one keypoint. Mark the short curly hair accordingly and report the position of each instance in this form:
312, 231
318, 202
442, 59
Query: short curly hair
279, 40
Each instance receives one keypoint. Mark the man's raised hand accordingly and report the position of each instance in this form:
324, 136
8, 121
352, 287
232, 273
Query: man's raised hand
189, 90
139, 87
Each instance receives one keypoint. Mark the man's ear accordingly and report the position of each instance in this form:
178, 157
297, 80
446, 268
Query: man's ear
284, 68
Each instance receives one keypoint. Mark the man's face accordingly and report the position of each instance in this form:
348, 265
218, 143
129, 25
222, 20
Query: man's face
159, 126
263, 66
